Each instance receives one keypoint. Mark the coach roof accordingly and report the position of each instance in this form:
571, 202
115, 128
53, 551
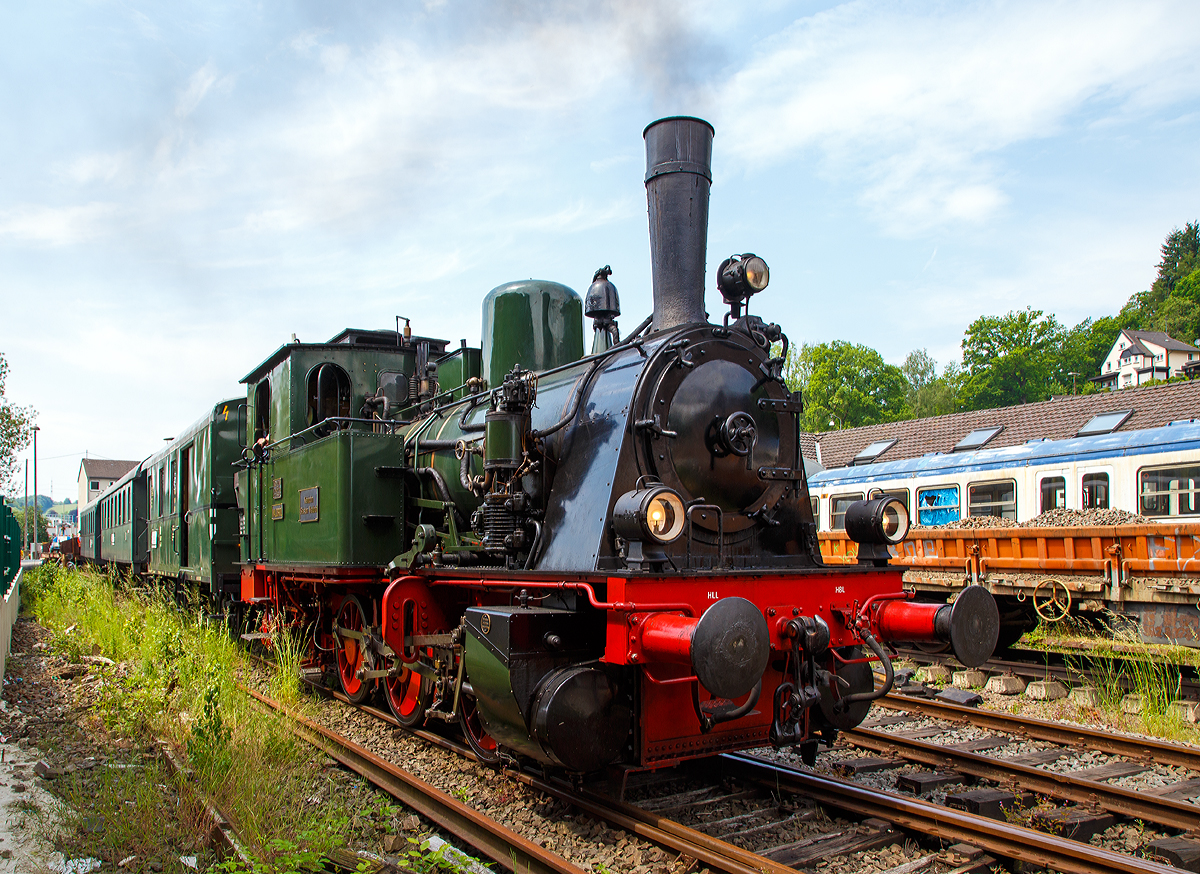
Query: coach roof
1056, 419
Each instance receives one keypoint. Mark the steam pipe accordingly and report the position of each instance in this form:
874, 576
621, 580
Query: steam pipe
678, 176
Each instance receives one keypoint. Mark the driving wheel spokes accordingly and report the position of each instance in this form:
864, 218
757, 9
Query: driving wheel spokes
408, 696
1052, 600
351, 624
482, 744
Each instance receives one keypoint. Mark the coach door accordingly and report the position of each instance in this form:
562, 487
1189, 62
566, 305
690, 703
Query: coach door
185, 467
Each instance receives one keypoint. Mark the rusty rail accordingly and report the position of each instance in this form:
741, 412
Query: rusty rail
993, 836
498, 843
1127, 802
1053, 732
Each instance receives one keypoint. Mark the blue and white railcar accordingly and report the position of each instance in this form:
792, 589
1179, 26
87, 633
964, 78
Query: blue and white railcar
1153, 472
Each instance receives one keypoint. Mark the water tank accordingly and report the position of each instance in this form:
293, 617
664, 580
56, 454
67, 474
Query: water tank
534, 323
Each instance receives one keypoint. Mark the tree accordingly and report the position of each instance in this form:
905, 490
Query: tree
1010, 359
929, 394
845, 385
1180, 258
16, 430
1082, 350
27, 519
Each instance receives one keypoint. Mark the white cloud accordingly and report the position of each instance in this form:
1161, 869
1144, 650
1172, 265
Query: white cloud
57, 226
197, 87
912, 103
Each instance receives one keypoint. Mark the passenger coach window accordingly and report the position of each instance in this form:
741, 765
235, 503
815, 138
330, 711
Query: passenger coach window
815, 502
1054, 493
1170, 491
937, 505
993, 499
900, 495
1095, 491
838, 504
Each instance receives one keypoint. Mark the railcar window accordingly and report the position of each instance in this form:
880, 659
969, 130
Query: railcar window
1095, 491
816, 507
838, 504
1170, 491
1054, 494
993, 499
900, 495
937, 505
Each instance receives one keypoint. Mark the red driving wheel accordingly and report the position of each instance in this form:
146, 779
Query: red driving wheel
408, 696
350, 617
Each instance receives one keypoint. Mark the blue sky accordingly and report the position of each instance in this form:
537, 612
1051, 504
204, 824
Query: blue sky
185, 185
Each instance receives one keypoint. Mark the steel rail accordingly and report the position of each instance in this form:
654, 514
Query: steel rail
993, 836
498, 843
710, 851
667, 833
1140, 748
1127, 802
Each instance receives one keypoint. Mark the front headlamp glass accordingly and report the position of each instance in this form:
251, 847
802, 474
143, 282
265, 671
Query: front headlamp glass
664, 516
757, 274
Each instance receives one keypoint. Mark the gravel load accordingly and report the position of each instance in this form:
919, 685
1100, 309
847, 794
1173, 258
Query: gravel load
1049, 519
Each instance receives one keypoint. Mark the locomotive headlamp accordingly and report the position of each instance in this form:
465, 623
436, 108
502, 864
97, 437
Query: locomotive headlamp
647, 518
741, 276
880, 520
875, 525
654, 512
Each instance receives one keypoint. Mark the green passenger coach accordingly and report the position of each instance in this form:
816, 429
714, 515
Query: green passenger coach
191, 507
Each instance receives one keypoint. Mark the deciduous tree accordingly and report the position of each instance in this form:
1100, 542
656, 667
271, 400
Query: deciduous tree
929, 394
1010, 359
846, 385
16, 430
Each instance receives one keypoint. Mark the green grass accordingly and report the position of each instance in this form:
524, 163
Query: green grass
1111, 658
175, 679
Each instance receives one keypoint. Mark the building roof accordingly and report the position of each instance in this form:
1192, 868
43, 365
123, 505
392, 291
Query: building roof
106, 468
1134, 348
1055, 419
1160, 338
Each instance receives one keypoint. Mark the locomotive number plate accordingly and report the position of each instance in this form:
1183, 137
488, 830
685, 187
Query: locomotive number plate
277, 512
277, 488
308, 505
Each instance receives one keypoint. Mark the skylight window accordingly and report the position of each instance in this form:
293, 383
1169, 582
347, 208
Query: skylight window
1105, 423
977, 438
873, 451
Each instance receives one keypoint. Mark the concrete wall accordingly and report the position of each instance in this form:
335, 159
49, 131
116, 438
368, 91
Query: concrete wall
8, 615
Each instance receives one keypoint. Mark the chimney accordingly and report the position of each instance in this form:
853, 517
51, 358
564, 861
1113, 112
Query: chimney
678, 176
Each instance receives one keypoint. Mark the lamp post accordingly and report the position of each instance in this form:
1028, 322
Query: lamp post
35, 491
1073, 374
833, 416
25, 516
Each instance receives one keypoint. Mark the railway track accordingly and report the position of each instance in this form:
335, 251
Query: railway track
757, 799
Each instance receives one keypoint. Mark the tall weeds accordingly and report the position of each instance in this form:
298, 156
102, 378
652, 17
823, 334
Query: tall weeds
175, 678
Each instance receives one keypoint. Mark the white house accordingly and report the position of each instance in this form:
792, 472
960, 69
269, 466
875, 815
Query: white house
97, 474
1140, 356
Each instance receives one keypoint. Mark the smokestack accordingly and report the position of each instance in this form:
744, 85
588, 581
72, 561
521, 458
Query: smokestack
678, 176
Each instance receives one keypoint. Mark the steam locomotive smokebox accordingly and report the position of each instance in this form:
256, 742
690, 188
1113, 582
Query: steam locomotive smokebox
533, 694
533, 323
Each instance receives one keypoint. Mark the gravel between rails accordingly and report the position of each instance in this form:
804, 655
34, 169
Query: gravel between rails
582, 840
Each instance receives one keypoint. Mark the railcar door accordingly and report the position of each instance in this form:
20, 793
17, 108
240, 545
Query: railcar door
185, 467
